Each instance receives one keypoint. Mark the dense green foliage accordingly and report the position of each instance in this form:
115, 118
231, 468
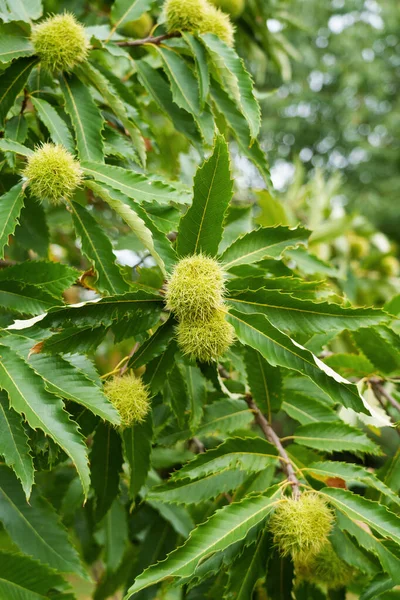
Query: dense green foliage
198, 375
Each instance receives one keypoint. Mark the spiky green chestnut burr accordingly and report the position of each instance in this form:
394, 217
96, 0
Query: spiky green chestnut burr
130, 397
52, 173
60, 42
301, 527
234, 8
198, 15
324, 568
195, 289
184, 15
217, 22
205, 341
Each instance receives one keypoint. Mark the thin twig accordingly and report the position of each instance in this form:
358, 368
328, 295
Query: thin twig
379, 390
149, 40
274, 439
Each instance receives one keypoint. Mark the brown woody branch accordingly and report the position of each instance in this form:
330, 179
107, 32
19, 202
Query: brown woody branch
382, 393
274, 439
156, 40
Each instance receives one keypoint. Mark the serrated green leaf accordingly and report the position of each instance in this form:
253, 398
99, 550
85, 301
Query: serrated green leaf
265, 382
293, 315
131, 214
176, 394
240, 130
185, 90
137, 444
128, 10
28, 396
53, 277
8, 145
197, 391
106, 464
350, 365
22, 578
135, 185
280, 576
97, 247
200, 58
25, 10
200, 230
14, 445
248, 569
192, 492
380, 584
58, 129
11, 204
279, 350
12, 47
307, 410
381, 346
349, 550
335, 437
25, 299
246, 454
356, 508
266, 242
225, 527
154, 346
159, 367
310, 264
159, 90
139, 304
111, 96
368, 540
235, 78
220, 417
85, 116
63, 379
72, 340
350, 472
12, 80
115, 536
35, 527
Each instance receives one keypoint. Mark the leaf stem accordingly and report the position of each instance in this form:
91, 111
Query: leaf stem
148, 40
274, 439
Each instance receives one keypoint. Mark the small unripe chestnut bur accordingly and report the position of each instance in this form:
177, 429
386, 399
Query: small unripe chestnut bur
325, 568
300, 527
52, 173
61, 43
195, 289
205, 341
200, 16
130, 397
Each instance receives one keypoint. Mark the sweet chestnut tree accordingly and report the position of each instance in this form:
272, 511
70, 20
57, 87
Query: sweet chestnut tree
190, 406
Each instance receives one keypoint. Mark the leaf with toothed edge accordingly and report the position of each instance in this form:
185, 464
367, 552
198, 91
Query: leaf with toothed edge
14, 445
35, 527
265, 242
96, 246
11, 204
280, 350
85, 116
235, 78
135, 185
58, 129
12, 80
201, 228
42, 410
226, 526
